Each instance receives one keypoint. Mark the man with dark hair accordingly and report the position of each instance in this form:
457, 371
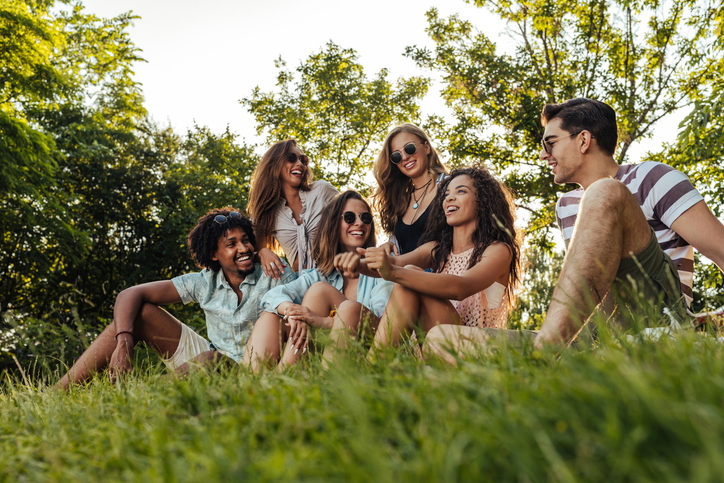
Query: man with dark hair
629, 230
229, 290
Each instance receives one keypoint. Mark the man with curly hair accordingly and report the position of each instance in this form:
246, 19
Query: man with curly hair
630, 230
229, 290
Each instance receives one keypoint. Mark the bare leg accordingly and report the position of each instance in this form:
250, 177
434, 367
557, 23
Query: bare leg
407, 308
610, 227
159, 329
350, 319
265, 342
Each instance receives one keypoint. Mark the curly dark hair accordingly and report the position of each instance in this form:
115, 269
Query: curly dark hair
327, 244
203, 240
496, 221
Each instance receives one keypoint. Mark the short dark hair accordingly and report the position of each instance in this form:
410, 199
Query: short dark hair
203, 240
581, 114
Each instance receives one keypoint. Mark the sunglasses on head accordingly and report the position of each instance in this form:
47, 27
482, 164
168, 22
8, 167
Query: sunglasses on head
221, 219
410, 149
350, 217
292, 158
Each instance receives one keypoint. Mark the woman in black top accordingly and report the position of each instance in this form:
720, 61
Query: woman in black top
407, 170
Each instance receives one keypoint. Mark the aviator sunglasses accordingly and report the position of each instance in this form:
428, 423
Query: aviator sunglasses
221, 219
410, 149
292, 158
350, 217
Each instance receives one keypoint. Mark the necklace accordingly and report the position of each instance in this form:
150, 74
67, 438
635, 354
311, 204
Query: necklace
416, 206
422, 197
423, 186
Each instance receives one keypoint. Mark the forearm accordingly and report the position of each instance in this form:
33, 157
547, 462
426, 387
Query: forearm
440, 285
125, 311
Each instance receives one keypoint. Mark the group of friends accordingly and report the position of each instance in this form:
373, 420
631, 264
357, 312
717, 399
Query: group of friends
449, 269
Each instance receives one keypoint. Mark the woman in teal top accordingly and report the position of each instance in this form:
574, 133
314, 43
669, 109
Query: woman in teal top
311, 300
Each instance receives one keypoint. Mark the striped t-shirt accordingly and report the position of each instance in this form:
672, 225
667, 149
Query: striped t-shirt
664, 193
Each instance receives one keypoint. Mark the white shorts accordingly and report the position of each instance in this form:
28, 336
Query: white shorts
190, 345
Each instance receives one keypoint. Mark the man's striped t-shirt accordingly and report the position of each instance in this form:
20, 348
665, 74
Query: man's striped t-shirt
664, 193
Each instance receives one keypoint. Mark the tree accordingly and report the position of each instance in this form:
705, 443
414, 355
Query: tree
645, 59
337, 114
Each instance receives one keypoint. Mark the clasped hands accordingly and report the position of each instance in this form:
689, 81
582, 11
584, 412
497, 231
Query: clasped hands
376, 258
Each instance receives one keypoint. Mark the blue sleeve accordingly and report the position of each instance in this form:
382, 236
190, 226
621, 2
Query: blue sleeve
190, 286
291, 292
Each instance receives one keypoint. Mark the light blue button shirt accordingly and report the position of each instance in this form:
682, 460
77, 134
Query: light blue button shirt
228, 322
372, 292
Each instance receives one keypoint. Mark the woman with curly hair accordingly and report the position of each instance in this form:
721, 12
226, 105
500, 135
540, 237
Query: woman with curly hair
408, 171
311, 300
285, 207
471, 245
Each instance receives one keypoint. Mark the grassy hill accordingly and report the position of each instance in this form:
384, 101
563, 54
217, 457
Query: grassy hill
626, 411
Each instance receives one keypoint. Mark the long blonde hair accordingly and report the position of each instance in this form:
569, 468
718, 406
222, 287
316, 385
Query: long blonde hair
394, 188
266, 190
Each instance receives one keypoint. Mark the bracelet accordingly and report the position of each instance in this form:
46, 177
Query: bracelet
124, 332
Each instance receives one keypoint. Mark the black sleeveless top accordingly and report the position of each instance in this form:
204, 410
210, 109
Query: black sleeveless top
408, 236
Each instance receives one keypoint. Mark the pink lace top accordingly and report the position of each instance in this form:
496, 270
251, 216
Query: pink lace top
475, 311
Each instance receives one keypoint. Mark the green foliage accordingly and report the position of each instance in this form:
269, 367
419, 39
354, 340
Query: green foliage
645, 59
628, 412
338, 115
540, 274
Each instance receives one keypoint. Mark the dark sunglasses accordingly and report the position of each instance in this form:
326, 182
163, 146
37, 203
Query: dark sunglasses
350, 217
410, 149
548, 146
292, 158
221, 219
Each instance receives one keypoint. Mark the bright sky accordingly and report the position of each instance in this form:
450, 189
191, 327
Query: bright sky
203, 57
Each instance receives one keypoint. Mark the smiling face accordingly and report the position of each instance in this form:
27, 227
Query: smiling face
235, 253
352, 236
565, 158
412, 165
293, 169
459, 203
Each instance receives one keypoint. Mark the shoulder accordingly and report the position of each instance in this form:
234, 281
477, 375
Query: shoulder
323, 187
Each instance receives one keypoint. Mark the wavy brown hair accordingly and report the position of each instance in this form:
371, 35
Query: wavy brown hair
266, 190
328, 244
495, 222
394, 188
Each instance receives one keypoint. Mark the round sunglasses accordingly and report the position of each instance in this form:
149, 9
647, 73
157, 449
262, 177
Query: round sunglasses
350, 217
221, 219
292, 158
410, 148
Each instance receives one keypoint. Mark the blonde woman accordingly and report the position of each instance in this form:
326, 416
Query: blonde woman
285, 207
408, 171
312, 300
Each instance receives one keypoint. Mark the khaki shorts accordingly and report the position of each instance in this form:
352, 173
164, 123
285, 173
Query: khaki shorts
190, 345
649, 278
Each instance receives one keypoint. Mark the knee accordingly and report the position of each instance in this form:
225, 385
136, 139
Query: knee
606, 195
348, 313
318, 289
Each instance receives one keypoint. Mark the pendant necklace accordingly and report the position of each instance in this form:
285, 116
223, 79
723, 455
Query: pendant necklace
422, 197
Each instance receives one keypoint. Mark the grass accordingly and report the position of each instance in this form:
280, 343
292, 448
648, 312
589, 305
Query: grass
638, 411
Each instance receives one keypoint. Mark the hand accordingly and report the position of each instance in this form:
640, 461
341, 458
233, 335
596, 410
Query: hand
378, 259
390, 248
298, 333
348, 262
122, 357
304, 314
271, 264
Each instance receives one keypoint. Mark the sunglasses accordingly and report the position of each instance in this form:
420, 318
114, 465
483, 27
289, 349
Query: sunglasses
410, 149
350, 217
221, 219
292, 158
548, 145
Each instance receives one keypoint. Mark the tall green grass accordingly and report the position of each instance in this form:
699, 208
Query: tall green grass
625, 411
